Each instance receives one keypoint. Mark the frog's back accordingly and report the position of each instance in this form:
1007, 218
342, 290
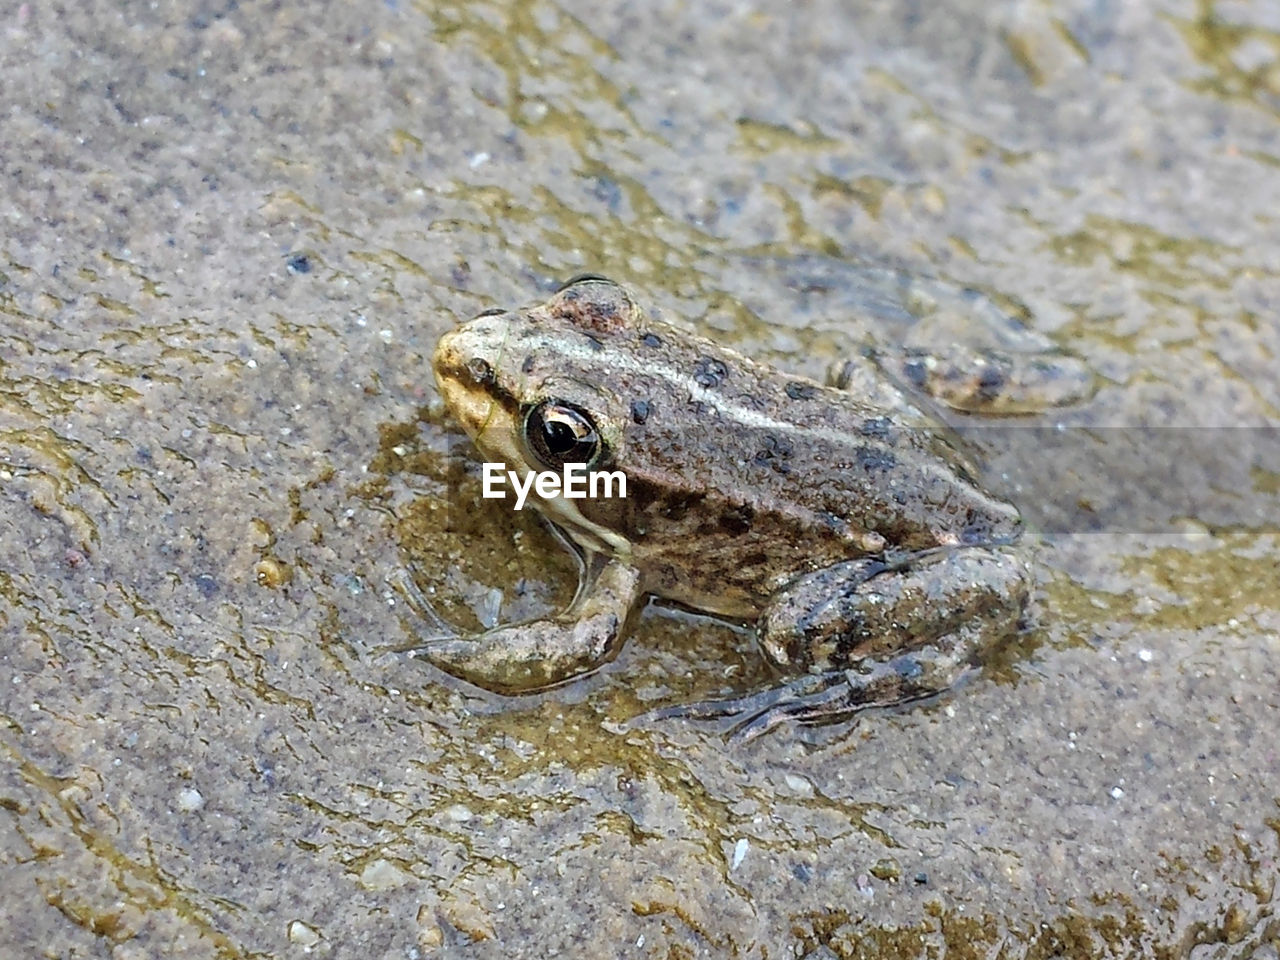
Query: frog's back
739, 475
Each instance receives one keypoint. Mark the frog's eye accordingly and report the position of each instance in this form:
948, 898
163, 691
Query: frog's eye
557, 433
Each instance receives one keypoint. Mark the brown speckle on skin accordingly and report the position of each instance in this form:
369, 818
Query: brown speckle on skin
878, 427
776, 453
591, 306
737, 521
527, 366
709, 372
701, 409
991, 383
872, 459
677, 506
916, 373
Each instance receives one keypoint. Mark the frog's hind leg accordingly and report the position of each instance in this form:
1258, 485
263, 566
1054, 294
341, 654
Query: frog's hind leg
868, 633
859, 612
992, 381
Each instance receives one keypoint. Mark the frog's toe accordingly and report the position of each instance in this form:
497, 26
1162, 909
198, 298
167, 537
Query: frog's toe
739, 719
813, 699
438, 628
461, 657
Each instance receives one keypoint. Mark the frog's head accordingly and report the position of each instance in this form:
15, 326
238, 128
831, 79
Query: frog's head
534, 388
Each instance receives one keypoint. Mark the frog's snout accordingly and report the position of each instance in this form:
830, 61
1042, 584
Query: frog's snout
465, 364
469, 352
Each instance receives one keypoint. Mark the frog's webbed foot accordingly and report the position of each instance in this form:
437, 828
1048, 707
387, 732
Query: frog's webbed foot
822, 698
744, 718
526, 657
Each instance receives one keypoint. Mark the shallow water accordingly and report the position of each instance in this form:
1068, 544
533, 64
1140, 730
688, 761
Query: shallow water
231, 240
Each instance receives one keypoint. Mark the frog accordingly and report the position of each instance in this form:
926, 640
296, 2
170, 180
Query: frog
839, 521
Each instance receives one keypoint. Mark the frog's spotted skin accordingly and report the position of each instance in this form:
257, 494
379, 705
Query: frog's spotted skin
840, 521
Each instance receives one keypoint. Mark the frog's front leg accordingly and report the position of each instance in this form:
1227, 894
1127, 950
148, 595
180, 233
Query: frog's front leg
525, 657
868, 633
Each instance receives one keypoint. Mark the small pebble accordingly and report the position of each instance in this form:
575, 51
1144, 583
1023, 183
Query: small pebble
799, 785
459, 813
303, 935
190, 800
271, 573
381, 875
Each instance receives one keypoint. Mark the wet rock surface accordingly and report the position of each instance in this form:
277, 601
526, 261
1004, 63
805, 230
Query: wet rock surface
231, 238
